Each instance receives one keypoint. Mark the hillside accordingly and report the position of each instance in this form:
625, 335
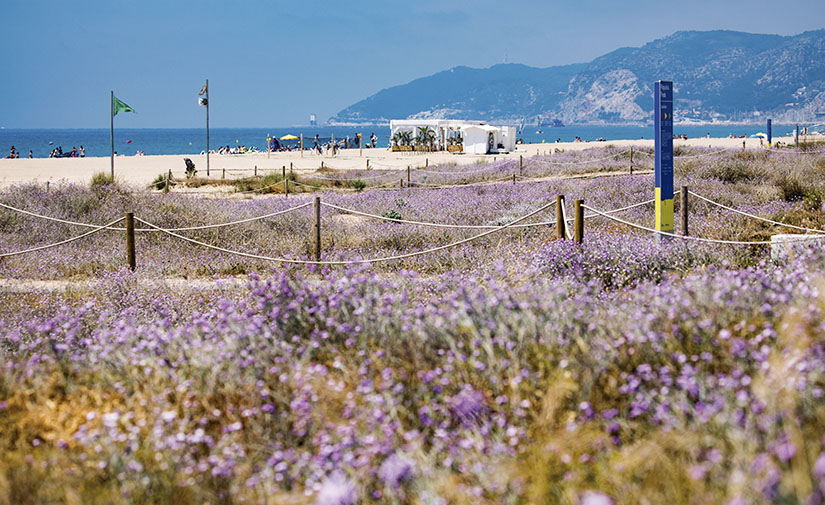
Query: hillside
718, 76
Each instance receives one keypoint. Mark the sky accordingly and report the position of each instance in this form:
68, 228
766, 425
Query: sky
271, 63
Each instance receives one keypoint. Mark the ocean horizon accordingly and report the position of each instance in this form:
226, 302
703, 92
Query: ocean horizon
175, 141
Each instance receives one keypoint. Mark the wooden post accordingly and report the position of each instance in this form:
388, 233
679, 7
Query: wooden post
514, 178
578, 236
631, 160
166, 186
302, 145
684, 205
400, 183
223, 174
256, 170
322, 164
368, 163
561, 225
290, 166
426, 162
317, 227
283, 170
286, 187
743, 145
130, 240
520, 163
408, 176
796, 137
361, 148
47, 186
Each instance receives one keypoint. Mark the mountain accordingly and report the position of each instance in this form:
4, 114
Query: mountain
717, 75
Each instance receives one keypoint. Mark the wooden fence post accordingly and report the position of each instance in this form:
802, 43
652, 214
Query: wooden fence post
579, 222
400, 183
286, 187
47, 186
426, 162
256, 171
514, 178
368, 163
130, 240
631, 160
223, 174
408, 176
322, 164
317, 227
561, 224
684, 205
520, 163
166, 185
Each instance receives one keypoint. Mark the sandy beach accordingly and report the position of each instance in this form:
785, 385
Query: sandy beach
141, 170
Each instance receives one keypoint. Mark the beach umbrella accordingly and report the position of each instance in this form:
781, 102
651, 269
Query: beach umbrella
757, 135
289, 137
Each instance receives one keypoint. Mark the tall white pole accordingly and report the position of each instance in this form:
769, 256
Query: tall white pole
207, 127
112, 130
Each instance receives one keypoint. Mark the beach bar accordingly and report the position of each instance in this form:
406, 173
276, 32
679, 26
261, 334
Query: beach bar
472, 137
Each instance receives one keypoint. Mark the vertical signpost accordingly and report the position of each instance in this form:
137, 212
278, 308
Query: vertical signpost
770, 134
663, 123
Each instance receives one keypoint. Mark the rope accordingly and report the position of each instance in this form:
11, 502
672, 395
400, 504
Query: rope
687, 237
753, 216
40, 248
282, 181
566, 220
57, 220
435, 225
584, 162
188, 228
350, 262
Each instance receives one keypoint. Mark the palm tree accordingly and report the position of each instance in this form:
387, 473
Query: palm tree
426, 136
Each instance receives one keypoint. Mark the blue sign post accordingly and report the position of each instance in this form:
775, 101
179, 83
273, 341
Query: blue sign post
663, 123
770, 133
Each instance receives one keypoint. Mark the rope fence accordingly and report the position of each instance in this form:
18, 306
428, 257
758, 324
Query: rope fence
518, 223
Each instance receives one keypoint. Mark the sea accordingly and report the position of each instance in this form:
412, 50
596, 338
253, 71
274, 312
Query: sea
152, 141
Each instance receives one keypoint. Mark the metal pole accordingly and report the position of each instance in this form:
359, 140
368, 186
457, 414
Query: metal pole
560, 223
684, 205
112, 130
207, 127
302, 145
579, 222
317, 227
130, 239
796, 137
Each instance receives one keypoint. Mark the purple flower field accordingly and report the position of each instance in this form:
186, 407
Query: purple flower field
512, 369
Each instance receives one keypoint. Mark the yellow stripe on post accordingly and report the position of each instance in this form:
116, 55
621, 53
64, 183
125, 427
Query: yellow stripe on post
664, 213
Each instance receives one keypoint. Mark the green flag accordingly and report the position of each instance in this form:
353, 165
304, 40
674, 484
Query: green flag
118, 106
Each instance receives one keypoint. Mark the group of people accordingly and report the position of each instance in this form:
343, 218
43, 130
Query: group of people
74, 153
344, 143
233, 150
13, 153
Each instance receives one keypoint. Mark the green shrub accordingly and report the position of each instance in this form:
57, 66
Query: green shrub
359, 185
101, 179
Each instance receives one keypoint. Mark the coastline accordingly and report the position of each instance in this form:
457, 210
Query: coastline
141, 170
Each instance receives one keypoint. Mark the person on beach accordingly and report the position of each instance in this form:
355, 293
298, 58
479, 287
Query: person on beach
82, 152
373, 139
11, 153
74, 152
31, 155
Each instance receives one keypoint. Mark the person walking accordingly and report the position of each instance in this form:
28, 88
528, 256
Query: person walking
82, 152
31, 155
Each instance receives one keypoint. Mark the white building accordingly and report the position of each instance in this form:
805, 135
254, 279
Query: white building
472, 137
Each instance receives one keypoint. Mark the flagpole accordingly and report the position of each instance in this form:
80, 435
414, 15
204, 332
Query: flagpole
207, 127
112, 129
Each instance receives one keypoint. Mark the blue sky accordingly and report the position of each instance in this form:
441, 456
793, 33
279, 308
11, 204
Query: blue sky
272, 63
